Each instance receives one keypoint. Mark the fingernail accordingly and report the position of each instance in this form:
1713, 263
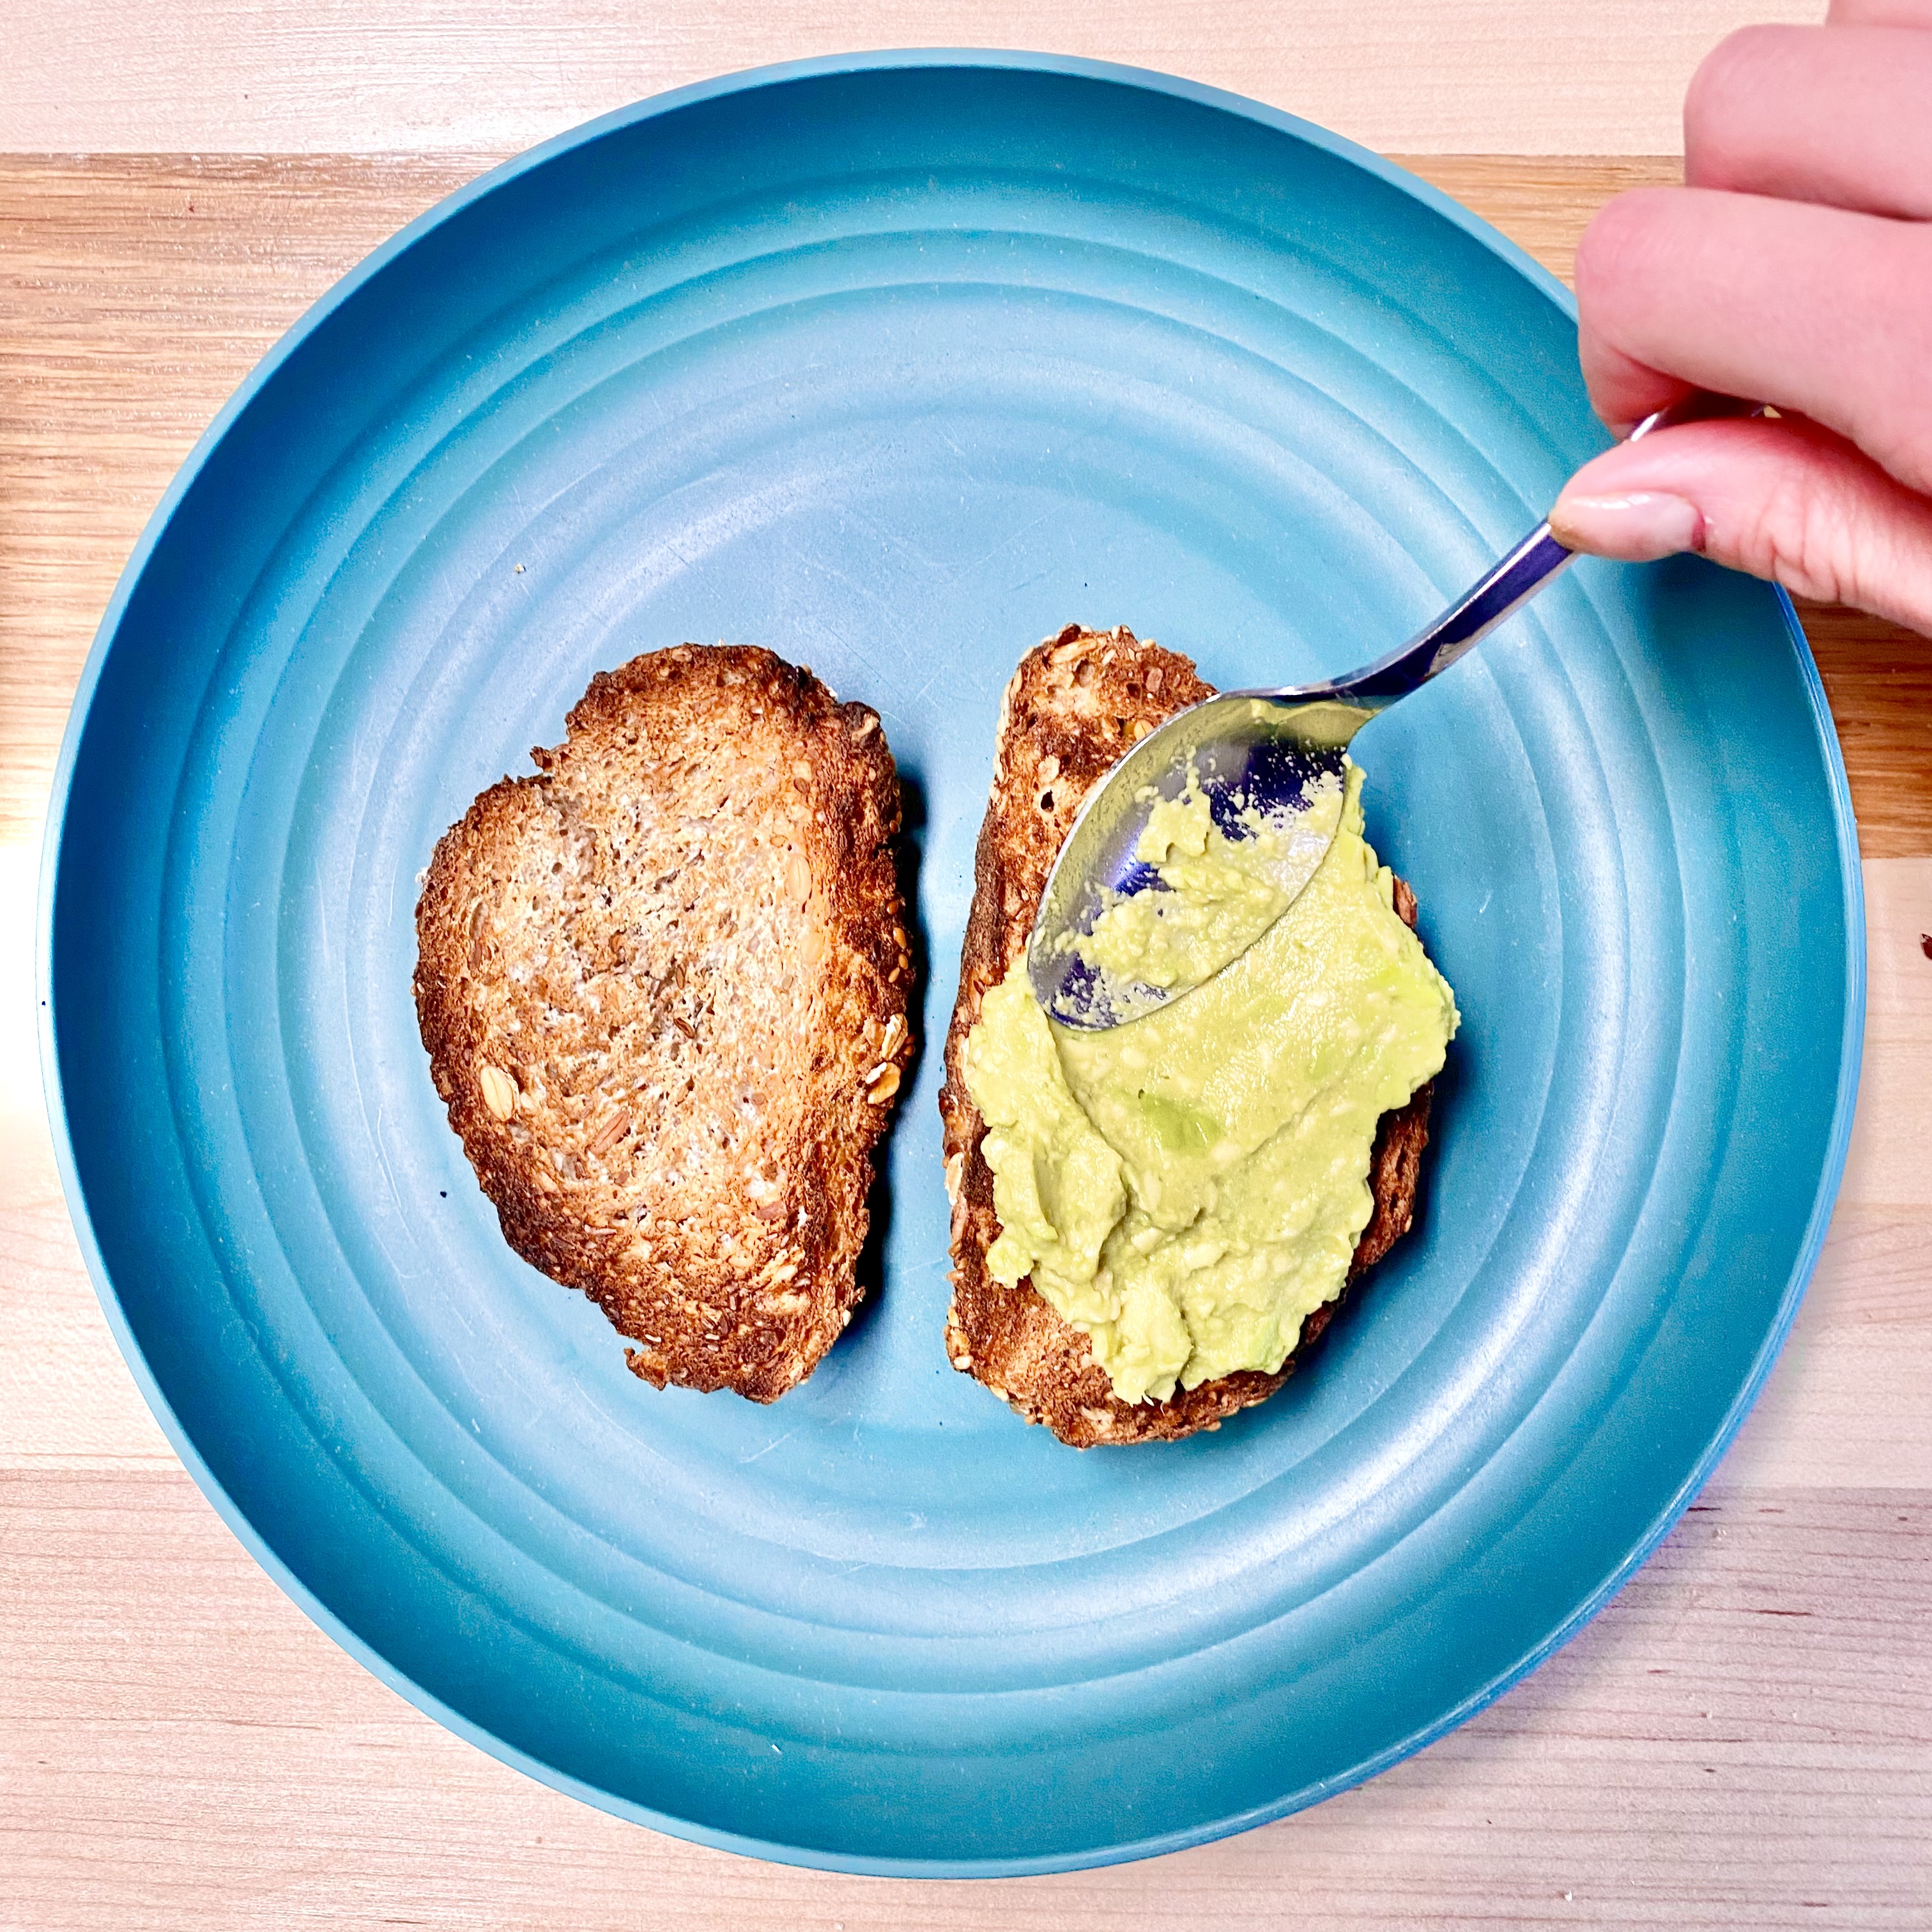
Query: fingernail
1636, 528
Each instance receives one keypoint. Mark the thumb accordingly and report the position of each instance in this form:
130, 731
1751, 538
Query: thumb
1780, 497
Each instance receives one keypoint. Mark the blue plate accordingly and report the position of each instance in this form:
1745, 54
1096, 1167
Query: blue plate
895, 364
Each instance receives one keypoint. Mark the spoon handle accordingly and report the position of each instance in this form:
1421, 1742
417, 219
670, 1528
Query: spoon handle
1484, 605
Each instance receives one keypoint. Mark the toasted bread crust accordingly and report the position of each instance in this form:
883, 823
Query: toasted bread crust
1075, 705
662, 985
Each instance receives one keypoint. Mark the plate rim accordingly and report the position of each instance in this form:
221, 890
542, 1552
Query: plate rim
746, 80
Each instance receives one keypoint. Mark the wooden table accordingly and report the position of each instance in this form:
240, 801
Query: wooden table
1744, 1738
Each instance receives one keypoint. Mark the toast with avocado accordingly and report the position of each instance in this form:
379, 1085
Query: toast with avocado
662, 984
1075, 705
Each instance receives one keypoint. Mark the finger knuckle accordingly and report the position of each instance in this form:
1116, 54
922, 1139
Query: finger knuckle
1811, 540
1619, 247
1729, 79
1807, 536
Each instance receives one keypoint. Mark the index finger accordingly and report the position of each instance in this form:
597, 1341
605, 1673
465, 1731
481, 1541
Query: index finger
1817, 310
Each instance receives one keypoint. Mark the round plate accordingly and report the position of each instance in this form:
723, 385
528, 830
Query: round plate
896, 364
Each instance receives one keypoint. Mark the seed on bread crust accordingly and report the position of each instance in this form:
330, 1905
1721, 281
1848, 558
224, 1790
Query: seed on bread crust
702, 1071
500, 1090
1075, 704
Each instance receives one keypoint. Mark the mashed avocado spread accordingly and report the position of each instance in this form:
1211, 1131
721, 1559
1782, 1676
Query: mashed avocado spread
1222, 893
1188, 1187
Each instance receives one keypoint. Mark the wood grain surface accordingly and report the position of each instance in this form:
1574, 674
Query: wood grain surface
1744, 1739
1437, 77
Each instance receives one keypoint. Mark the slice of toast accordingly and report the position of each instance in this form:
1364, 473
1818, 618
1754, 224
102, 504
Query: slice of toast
663, 987
1072, 708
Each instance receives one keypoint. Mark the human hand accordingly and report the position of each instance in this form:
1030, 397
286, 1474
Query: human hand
1794, 269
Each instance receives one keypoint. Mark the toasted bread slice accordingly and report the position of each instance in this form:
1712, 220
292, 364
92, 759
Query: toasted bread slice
1073, 707
663, 987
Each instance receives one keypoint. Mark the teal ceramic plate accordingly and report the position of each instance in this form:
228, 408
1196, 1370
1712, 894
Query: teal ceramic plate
895, 364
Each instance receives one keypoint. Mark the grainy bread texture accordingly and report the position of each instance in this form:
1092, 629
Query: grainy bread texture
663, 987
1074, 706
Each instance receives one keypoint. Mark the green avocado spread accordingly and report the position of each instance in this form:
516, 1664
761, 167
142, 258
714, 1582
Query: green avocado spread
1222, 894
1188, 1187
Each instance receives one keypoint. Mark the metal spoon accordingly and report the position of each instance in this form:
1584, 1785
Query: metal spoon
1272, 750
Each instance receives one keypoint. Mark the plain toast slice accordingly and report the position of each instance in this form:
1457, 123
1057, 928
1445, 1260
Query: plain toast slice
663, 987
1075, 705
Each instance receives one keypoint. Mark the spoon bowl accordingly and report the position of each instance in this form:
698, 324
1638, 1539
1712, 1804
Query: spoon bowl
1247, 751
